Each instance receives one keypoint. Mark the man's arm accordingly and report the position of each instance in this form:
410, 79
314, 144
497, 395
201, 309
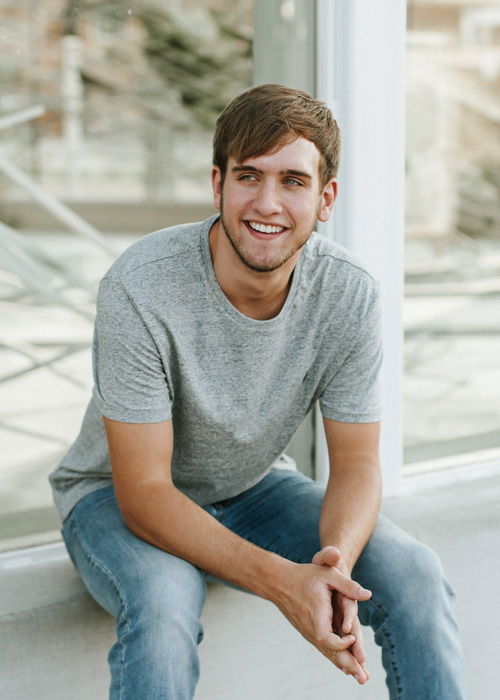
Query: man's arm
156, 511
352, 499
349, 514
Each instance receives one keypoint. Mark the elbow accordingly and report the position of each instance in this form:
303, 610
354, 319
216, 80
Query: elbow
134, 520
143, 508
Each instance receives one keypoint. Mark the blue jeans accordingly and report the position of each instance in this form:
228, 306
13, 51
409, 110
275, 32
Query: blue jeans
157, 598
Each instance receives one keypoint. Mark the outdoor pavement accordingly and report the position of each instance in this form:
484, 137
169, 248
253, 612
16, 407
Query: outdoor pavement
452, 347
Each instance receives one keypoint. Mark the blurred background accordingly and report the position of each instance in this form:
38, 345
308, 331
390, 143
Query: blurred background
106, 118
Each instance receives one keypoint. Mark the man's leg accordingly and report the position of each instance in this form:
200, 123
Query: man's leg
412, 615
411, 608
156, 599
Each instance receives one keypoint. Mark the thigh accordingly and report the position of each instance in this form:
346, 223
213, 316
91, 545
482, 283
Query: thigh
280, 514
122, 571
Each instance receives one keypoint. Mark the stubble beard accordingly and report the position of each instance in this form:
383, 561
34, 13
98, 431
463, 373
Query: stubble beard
287, 254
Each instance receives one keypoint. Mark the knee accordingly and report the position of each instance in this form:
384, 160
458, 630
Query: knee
423, 570
165, 623
419, 586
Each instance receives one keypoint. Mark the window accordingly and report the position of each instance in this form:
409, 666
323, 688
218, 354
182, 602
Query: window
129, 94
452, 302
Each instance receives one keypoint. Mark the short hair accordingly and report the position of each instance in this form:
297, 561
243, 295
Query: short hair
268, 116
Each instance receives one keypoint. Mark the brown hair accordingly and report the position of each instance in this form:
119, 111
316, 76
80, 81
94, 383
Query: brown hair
268, 116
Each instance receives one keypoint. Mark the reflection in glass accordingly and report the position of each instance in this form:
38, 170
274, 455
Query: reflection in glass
452, 309
106, 117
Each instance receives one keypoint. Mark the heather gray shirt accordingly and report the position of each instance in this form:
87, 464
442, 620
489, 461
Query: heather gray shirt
169, 344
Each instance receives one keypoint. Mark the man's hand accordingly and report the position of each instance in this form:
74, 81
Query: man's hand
308, 606
345, 619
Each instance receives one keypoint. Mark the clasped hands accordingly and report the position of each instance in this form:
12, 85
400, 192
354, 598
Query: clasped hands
322, 605
345, 621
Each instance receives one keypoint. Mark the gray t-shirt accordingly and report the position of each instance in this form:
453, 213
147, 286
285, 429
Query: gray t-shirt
169, 344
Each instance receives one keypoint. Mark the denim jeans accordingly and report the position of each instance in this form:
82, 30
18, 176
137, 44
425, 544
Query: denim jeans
157, 598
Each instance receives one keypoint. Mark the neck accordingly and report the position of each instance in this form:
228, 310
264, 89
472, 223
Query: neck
258, 295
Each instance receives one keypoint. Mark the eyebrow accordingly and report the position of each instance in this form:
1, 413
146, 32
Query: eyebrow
251, 168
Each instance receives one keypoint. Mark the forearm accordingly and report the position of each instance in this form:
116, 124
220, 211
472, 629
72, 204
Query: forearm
163, 516
350, 507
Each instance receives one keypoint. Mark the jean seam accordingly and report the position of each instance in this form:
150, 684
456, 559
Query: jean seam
384, 630
98, 565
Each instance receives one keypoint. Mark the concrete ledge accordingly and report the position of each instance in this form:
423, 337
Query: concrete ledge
54, 640
52, 633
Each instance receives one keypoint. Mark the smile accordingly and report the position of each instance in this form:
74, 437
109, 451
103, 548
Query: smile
262, 228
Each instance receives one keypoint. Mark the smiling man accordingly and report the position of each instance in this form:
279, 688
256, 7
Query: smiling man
275, 203
212, 341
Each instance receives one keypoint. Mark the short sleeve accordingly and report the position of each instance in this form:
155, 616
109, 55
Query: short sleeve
130, 384
352, 395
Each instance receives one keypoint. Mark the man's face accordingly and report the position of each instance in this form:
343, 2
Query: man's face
270, 204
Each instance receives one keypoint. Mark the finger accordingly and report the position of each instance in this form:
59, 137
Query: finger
335, 643
349, 613
324, 636
354, 658
338, 616
361, 676
345, 585
358, 648
328, 556
358, 651
348, 664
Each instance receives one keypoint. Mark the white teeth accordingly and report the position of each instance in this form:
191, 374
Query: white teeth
262, 228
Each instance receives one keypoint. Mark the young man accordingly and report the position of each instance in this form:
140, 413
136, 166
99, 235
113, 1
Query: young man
212, 341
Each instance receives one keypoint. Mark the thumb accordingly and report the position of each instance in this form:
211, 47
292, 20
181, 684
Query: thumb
328, 556
351, 589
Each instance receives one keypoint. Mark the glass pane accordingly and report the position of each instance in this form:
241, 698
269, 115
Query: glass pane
129, 93
452, 306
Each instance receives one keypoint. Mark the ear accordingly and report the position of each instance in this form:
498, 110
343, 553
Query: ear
216, 186
328, 197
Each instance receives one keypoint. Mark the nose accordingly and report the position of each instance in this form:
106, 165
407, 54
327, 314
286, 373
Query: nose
267, 201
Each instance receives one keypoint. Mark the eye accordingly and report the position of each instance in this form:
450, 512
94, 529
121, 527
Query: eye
248, 177
292, 181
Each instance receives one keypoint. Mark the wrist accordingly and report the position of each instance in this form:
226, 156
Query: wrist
277, 581
269, 576
348, 566
346, 563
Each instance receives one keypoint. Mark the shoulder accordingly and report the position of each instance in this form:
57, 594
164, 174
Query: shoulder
334, 256
329, 263
157, 250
